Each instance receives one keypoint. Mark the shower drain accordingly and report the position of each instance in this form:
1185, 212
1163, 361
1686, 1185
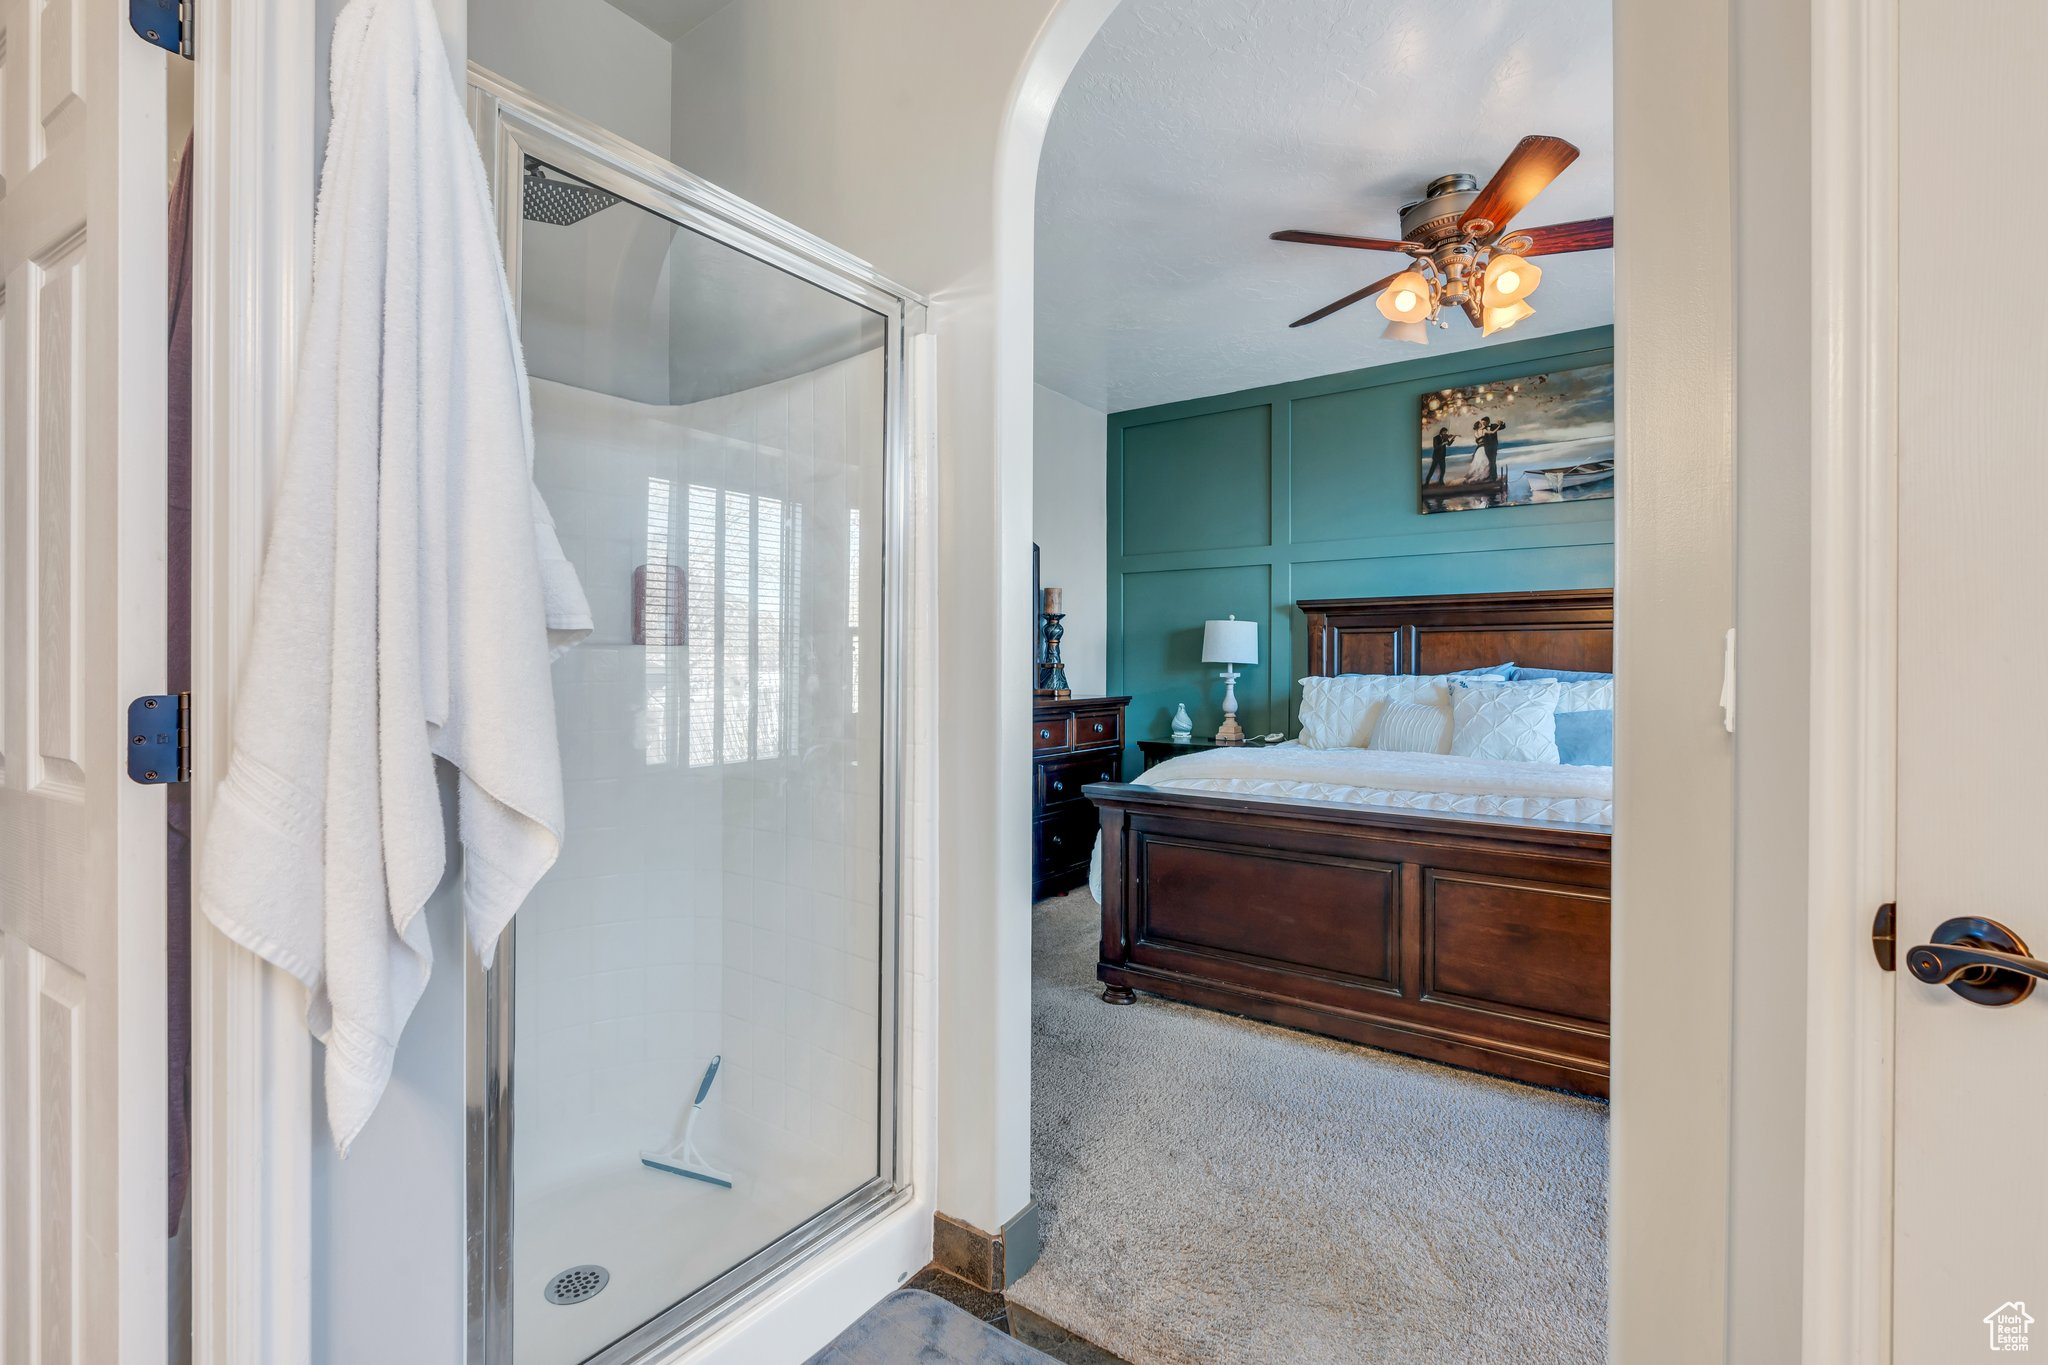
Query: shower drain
578, 1283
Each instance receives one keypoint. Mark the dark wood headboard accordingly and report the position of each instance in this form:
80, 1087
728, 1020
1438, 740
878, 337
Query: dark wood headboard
1573, 629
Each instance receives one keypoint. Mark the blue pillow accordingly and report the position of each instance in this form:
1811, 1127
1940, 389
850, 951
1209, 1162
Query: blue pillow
1561, 674
1497, 671
1586, 738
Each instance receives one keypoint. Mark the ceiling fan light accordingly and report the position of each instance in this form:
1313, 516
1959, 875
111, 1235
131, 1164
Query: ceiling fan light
1500, 319
1508, 278
1406, 298
1416, 332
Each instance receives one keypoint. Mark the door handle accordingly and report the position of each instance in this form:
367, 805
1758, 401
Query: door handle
1979, 959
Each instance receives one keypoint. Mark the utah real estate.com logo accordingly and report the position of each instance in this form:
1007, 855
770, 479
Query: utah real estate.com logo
2008, 1324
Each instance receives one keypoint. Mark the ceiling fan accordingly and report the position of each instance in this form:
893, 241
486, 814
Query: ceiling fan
1464, 254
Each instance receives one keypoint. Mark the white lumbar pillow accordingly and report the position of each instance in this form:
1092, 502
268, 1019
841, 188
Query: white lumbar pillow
1406, 727
1342, 712
1514, 721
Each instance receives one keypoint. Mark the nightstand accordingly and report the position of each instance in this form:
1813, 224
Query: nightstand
1157, 751
1073, 742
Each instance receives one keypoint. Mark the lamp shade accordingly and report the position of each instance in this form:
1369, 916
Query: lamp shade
1230, 642
1500, 319
1406, 298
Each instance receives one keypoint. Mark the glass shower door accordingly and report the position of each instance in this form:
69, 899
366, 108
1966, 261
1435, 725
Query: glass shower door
701, 1061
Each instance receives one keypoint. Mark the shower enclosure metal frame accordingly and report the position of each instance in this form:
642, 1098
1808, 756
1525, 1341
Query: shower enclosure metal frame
512, 124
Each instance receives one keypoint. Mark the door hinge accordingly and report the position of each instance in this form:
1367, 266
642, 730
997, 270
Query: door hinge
1884, 936
166, 23
160, 739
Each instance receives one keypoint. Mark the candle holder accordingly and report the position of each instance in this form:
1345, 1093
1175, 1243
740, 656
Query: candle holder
1052, 677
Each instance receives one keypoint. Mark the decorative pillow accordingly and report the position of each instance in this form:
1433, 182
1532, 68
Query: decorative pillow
1586, 738
1590, 694
1407, 727
1559, 674
1497, 671
1514, 721
1340, 712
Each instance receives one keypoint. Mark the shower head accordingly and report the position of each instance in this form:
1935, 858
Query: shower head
560, 202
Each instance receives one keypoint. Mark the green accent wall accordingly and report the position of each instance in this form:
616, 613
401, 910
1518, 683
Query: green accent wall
1248, 502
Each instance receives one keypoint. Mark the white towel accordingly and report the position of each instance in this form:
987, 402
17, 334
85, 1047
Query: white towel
414, 592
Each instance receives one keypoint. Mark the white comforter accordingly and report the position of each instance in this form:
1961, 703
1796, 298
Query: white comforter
1562, 792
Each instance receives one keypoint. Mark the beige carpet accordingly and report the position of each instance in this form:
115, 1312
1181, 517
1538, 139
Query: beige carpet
1216, 1190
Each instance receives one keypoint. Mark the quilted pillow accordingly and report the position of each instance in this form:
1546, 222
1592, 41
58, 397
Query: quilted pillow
1407, 727
1514, 721
1340, 712
1586, 738
1586, 694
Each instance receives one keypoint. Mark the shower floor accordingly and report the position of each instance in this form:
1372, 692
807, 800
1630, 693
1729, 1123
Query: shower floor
661, 1236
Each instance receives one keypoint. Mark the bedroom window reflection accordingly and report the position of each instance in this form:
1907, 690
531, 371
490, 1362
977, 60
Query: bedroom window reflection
657, 623
853, 602
743, 588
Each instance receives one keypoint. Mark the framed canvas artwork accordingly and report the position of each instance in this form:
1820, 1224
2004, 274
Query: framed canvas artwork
1511, 442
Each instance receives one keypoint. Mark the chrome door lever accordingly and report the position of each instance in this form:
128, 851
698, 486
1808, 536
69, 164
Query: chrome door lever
1980, 960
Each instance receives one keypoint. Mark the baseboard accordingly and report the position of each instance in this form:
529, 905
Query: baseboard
987, 1260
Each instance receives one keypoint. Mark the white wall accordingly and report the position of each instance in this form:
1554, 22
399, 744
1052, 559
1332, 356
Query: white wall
1069, 510
1772, 481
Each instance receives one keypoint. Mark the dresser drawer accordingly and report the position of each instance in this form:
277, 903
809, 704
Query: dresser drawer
1065, 839
1060, 779
1049, 733
1095, 729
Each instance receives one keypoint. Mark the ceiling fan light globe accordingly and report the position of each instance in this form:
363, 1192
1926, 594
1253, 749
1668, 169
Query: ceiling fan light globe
1502, 318
1406, 298
1416, 332
1508, 278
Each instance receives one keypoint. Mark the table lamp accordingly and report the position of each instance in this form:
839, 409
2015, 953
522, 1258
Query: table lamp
1228, 643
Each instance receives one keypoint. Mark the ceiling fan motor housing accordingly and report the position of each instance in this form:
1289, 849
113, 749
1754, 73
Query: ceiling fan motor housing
1433, 219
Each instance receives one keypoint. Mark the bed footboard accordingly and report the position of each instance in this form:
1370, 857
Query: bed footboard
1480, 943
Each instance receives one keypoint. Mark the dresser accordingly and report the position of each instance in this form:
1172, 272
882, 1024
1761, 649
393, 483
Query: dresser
1073, 742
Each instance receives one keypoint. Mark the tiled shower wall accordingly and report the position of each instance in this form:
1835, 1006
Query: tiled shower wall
719, 888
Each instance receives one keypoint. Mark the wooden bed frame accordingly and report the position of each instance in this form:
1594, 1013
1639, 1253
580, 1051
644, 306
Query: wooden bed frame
1478, 942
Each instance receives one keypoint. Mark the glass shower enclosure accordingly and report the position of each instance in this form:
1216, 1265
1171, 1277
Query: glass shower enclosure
684, 1072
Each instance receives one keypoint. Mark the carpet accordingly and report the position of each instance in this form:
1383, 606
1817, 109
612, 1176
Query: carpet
1217, 1190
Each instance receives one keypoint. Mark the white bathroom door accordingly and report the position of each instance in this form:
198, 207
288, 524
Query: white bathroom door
82, 352
1971, 1104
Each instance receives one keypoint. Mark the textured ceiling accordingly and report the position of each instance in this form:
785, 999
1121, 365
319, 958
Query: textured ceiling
671, 18
1193, 128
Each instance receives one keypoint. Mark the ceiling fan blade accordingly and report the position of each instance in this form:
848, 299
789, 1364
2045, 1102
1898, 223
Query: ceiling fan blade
1535, 162
1346, 301
1588, 234
1333, 239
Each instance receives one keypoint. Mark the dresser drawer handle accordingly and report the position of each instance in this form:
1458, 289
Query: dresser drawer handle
1098, 727
1057, 839
1104, 778
1059, 786
1045, 734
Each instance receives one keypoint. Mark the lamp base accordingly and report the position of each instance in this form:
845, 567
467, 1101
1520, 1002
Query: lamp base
1230, 732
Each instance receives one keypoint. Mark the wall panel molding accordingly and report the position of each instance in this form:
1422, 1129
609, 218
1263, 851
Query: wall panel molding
1308, 489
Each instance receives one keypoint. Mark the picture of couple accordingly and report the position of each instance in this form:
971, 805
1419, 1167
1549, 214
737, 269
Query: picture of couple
1486, 441
1511, 442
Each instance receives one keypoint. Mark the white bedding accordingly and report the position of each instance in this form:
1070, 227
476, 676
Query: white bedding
1569, 793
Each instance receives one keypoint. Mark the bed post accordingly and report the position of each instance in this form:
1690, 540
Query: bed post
1114, 989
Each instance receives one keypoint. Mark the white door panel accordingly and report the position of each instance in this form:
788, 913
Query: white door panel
1971, 1210
82, 1066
